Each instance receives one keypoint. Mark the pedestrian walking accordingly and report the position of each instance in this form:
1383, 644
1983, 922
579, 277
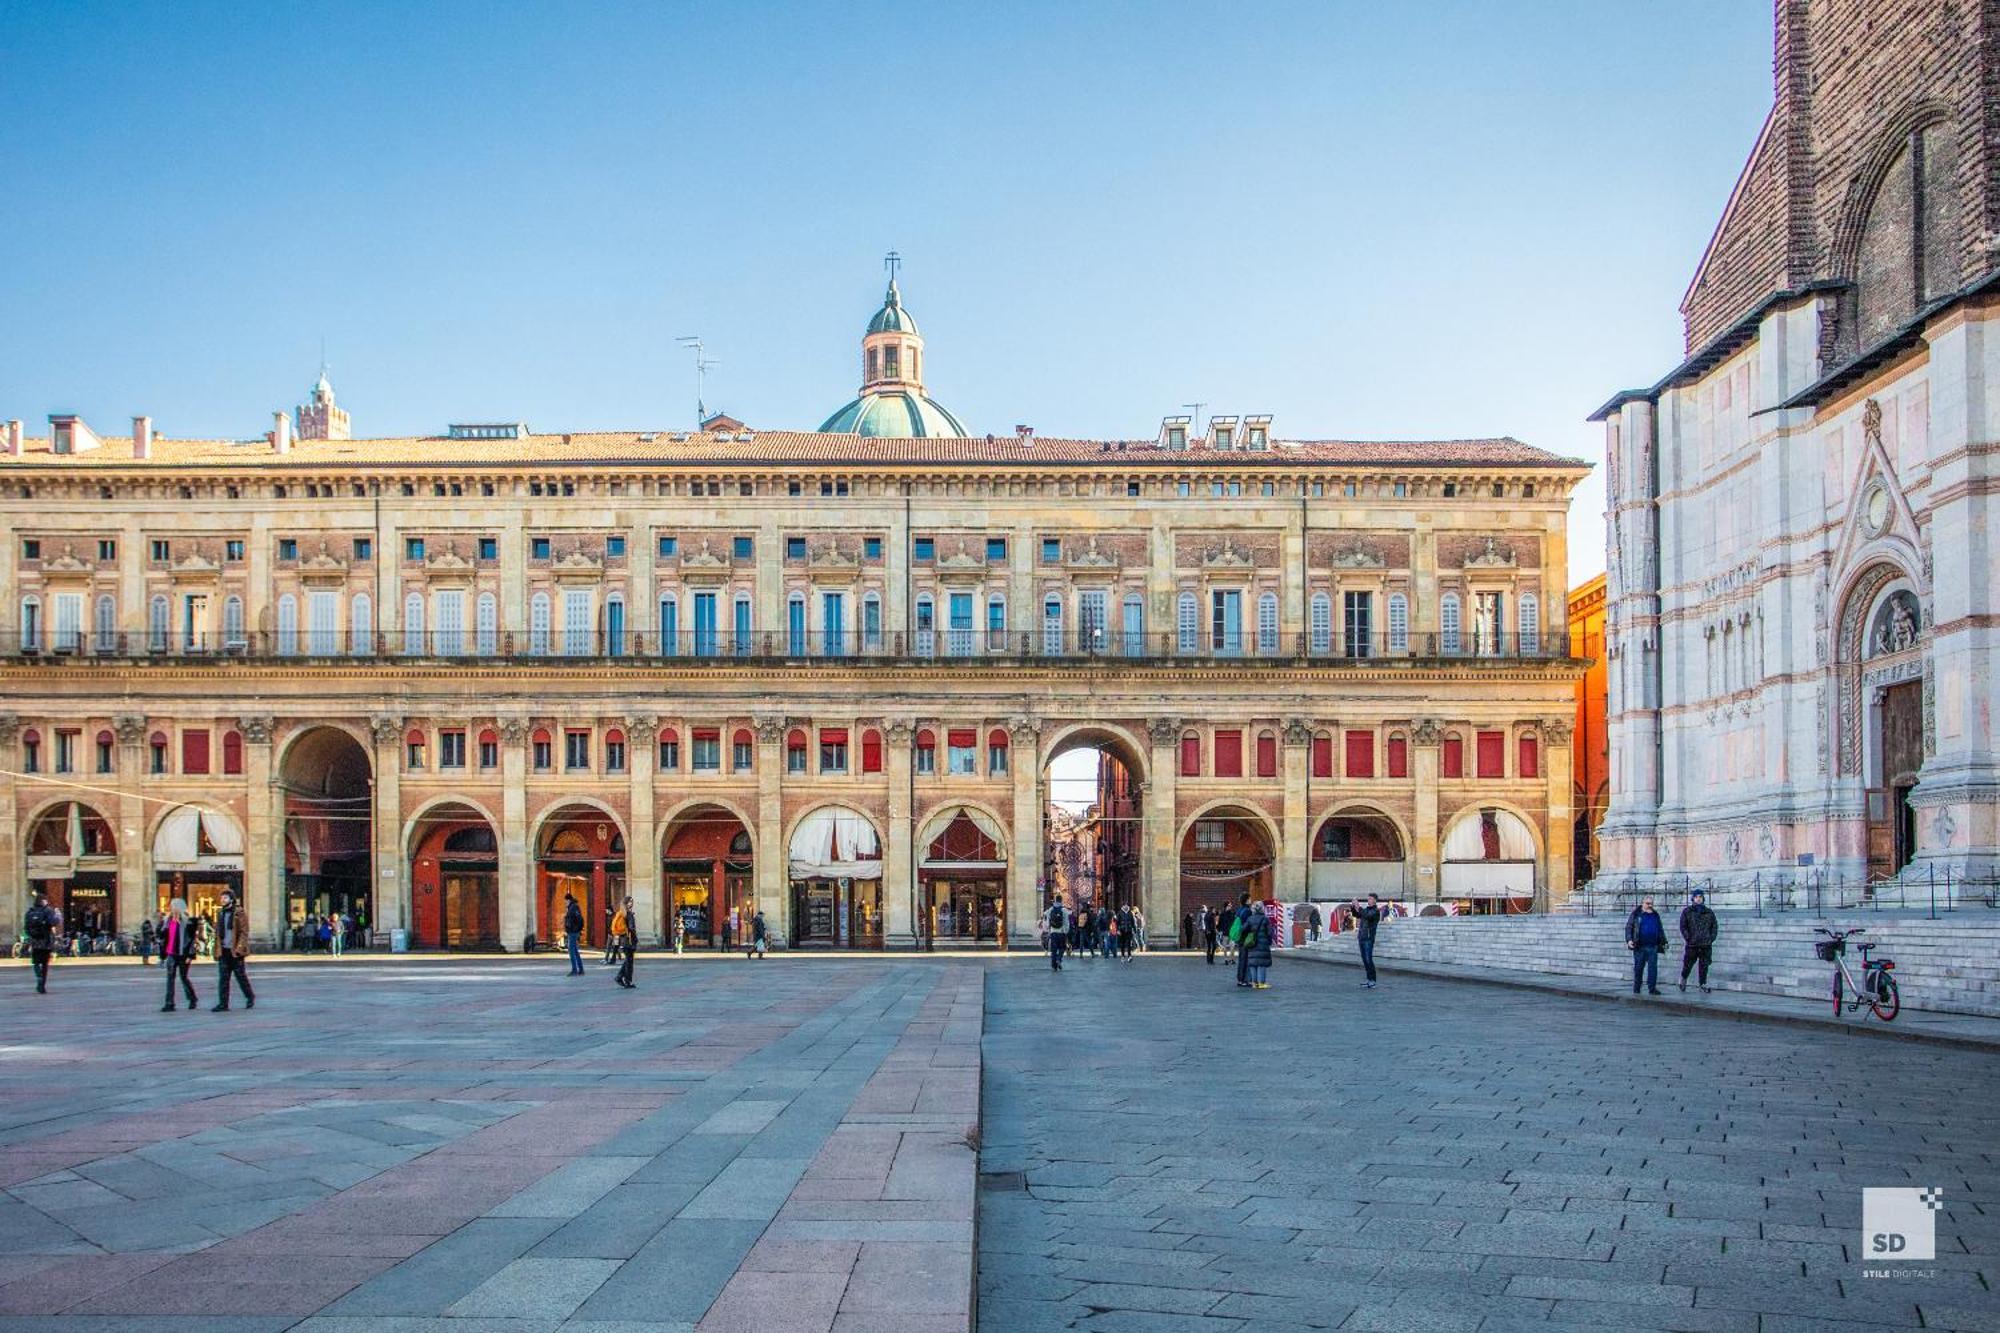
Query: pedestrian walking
1237, 928
146, 942
625, 929
1312, 924
339, 927
1058, 929
1257, 948
1698, 931
232, 950
41, 926
1187, 930
177, 946
1367, 916
572, 925
760, 936
1206, 923
1128, 933
1645, 936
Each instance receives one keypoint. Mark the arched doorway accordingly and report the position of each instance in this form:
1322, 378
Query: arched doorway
1489, 862
328, 782
1226, 852
197, 853
835, 863
455, 879
1356, 852
707, 867
73, 858
962, 874
580, 852
1093, 819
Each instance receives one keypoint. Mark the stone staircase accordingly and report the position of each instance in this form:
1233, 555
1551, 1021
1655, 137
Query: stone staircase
1951, 964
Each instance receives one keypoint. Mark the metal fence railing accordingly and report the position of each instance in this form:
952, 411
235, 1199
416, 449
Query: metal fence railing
1931, 889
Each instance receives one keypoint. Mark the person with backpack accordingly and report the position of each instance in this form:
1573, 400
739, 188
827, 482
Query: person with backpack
1367, 916
41, 927
1256, 946
572, 925
1698, 931
1645, 936
1312, 924
1238, 926
625, 930
1058, 932
1128, 933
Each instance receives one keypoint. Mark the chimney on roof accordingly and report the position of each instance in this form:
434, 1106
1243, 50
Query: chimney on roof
281, 432
142, 438
15, 434
1025, 434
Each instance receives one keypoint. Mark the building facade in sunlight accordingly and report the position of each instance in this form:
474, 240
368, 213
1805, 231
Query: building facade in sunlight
1801, 624
448, 681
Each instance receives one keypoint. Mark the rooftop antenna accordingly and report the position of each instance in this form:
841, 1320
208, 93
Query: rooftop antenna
1200, 426
703, 363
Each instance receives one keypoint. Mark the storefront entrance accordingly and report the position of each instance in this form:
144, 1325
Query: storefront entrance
582, 855
197, 854
963, 878
836, 878
73, 859
707, 871
1224, 855
455, 881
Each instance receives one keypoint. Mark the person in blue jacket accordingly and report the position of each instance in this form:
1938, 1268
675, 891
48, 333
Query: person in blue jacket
1645, 936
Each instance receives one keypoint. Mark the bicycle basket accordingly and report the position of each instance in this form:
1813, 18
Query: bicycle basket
1826, 950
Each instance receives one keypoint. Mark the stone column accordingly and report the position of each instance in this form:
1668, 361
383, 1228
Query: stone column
772, 900
1559, 829
389, 890
642, 849
1024, 861
1425, 759
899, 871
517, 871
134, 855
1294, 859
13, 864
1162, 887
264, 838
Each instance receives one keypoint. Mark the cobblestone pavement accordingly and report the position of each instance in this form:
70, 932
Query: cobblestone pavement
1163, 1151
413, 1146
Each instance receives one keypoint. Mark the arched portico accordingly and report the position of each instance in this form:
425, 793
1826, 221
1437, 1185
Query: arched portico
1491, 859
707, 872
326, 779
834, 863
1359, 848
197, 854
1093, 815
453, 848
72, 852
962, 873
1227, 849
579, 852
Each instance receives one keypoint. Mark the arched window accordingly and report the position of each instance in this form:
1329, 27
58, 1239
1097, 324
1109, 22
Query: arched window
1052, 626
996, 752
1448, 637
743, 751
926, 627
795, 625
413, 749
156, 753
1267, 623
542, 750
1528, 622
413, 622
1399, 623
1190, 755
288, 625
871, 751
1187, 624
31, 625
232, 622
540, 618
614, 625
156, 625
670, 625
1267, 754
489, 749
926, 751
1528, 760
486, 625
614, 750
232, 752
795, 751
1322, 624
107, 623
361, 616
670, 750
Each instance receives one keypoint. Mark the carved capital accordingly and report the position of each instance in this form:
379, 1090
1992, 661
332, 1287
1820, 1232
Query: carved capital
1428, 732
642, 730
1556, 730
386, 727
1024, 730
1298, 732
256, 730
131, 728
770, 730
1164, 730
899, 731
514, 730
10, 727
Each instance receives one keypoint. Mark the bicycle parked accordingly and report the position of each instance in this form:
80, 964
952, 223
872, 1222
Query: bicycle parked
1875, 988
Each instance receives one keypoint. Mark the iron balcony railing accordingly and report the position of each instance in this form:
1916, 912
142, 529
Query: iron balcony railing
787, 645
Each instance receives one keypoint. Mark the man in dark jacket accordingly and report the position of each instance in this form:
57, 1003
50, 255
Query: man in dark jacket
572, 925
760, 937
1367, 916
1312, 924
1058, 935
1208, 928
1257, 948
40, 928
1645, 936
1698, 932
232, 948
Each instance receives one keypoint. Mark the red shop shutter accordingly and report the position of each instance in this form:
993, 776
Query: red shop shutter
194, 752
1530, 764
1322, 756
1267, 755
1492, 754
1229, 754
871, 751
1399, 757
1190, 756
1360, 754
1454, 756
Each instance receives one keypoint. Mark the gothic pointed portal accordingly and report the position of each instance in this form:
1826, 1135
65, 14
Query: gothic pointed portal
892, 402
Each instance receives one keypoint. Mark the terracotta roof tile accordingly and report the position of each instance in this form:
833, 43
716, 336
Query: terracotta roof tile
768, 448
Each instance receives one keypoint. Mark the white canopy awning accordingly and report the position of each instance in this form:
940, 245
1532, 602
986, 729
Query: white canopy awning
1467, 839
178, 844
835, 844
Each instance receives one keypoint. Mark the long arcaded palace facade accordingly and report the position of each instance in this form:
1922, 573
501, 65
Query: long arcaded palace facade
1802, 627
445, 681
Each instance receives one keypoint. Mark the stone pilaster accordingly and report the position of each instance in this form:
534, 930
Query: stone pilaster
642, 848
772, 900
1559, 827
1294, 862
899, 872
1024, 862
134, 856
264, 838
517, 871
1426, 758
1162, 887
13, 863
389, 891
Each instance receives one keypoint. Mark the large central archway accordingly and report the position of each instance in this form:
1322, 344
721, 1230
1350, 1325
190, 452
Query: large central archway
1490, 859
1093, 818
707, 874
329, 815
454, 877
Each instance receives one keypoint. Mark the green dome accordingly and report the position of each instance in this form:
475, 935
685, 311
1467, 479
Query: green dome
896, 414
892, 318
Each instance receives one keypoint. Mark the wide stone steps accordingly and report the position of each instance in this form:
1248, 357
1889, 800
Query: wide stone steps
1951, 964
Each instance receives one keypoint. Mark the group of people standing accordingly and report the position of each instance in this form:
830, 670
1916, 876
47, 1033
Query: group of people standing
1105, 931
179, 937
1646, 937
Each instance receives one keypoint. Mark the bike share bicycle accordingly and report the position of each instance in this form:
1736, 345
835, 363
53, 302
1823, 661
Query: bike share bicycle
1875, 988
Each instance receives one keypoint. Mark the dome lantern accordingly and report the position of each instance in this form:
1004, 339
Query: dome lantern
892, 401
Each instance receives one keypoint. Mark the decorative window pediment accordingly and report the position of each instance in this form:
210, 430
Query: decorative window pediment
1491, 557
576, 566
323, 566
703, 565
1228, 556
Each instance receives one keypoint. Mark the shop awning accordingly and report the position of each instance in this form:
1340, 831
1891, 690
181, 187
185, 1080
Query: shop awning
191, 838
835, 844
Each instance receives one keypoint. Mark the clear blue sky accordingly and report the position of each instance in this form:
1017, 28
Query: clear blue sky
1408, 220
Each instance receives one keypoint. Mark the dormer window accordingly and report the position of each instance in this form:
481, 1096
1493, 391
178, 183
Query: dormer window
1225, 437
1259, 438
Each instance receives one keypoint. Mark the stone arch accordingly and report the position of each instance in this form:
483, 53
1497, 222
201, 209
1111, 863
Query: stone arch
456, 907
845, 807
1447, 822
1269, 826
941, 816
664, 823
571, 802
282, 752
412, 827
1131, 750
1352, 806
1892, 140
1860, 594
1883, 244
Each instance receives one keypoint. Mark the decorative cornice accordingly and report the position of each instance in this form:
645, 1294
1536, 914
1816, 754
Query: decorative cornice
448, 566
67, 566
1492, 557
703, 565
1091, 560
195, 566
1357, 557
576, 566
1228, 556
961, 565
323, 566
